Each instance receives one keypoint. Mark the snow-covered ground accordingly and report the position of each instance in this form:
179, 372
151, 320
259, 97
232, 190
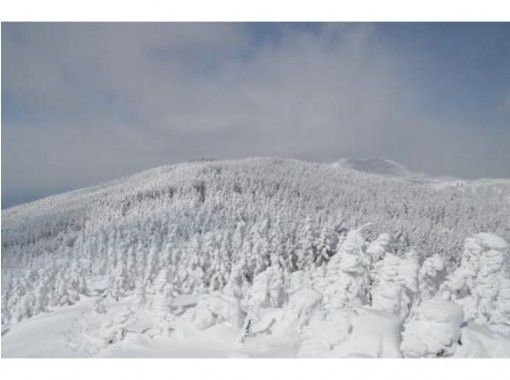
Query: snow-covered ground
260, 258
127, 331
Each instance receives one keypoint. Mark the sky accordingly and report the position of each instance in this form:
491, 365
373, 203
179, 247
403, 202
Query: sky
84, 103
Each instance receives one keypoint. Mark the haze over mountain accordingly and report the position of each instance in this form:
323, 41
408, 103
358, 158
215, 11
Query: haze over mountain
83, 103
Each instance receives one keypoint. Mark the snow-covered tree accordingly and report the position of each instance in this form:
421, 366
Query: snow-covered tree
347, 274
396, 284
431, 275
480, 283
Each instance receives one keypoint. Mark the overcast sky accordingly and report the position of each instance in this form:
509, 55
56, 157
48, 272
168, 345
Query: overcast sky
84, 103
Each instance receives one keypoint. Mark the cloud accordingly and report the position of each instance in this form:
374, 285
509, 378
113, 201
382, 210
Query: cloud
104, 100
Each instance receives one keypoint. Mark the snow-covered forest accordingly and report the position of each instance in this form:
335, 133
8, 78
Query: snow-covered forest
306, 259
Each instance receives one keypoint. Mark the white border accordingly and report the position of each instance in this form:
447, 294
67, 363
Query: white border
257, 369
255, 10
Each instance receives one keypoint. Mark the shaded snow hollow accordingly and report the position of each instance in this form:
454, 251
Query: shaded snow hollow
258, 258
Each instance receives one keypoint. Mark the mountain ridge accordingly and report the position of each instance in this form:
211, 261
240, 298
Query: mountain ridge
376, 166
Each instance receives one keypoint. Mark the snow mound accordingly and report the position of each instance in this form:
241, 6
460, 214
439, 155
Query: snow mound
218, 307
433, 330
490, 241
375, 334
302, 305
478, 342
325, 330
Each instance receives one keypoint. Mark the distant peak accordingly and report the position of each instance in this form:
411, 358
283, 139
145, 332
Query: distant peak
375, 165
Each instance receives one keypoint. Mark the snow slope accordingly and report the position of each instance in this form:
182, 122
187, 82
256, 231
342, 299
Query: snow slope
259, 257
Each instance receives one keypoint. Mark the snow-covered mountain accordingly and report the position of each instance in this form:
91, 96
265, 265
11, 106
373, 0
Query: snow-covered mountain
324, 260
376, 166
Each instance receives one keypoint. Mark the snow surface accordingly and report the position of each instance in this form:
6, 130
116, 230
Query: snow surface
433, 329
127, 331
259, 258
